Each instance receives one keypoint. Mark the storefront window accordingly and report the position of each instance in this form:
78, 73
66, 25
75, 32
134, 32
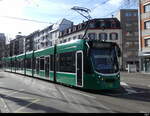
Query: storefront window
147, 42
147, 64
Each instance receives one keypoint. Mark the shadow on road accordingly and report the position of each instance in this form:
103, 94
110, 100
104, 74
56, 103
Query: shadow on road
141, 94
35, 106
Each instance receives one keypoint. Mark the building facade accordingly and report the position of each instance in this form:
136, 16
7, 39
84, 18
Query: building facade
2, 47
129, 25
29, 41
7, 50
144, 38
17, 45
49, 36
2, 44
104, 29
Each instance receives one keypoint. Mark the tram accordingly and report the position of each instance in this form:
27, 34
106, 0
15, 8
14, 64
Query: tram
86, 64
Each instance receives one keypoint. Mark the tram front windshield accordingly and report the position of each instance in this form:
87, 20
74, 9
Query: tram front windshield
105, 60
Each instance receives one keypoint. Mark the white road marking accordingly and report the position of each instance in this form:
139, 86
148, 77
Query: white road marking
129, 89
124, 84
21, 108
142, 112
69, 101
14, 92
4, 104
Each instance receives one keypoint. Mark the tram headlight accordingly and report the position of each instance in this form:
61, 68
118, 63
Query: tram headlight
118, 76
101, 78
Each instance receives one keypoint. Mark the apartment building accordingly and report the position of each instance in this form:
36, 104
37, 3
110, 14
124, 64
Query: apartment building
29, 41
17, 45
129, 24
144, 38
2, 44
49, 36
2, 47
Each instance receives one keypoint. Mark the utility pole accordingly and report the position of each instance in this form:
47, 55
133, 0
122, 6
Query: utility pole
85, 13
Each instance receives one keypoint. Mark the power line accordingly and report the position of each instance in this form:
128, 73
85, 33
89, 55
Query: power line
24, 19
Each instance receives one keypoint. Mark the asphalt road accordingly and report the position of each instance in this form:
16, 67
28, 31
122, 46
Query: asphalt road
22, 94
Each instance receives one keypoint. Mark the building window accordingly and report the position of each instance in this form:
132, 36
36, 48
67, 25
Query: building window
74, 37
113, 36
128, 33
102, 24
136, 33
113, 24
74, 28
80, 36
147, 25
135, 14
64, 40
128, 25
92, 36
147, 42
103, 36
69, 39
92, 25
128, 14
147, 8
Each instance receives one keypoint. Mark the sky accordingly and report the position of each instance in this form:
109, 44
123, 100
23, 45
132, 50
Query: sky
27, 16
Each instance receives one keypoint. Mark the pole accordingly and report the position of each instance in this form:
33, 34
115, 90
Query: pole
80, 10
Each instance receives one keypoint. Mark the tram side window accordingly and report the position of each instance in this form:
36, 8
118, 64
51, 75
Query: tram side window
28, 63
9, 64
16, 62
34, 63
13, 64
67, 62
52, 62
21, 64
42, 63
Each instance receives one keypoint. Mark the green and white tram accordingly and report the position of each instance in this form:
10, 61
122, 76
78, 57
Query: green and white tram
87, 64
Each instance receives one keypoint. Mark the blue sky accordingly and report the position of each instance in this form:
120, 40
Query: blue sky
49, 11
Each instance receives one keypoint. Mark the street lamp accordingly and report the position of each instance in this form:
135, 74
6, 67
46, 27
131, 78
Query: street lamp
85, 13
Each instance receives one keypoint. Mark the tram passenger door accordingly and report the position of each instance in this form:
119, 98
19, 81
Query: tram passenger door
46, 66
79, 68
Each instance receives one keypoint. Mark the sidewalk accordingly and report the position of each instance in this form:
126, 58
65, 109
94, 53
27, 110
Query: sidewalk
135, 75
